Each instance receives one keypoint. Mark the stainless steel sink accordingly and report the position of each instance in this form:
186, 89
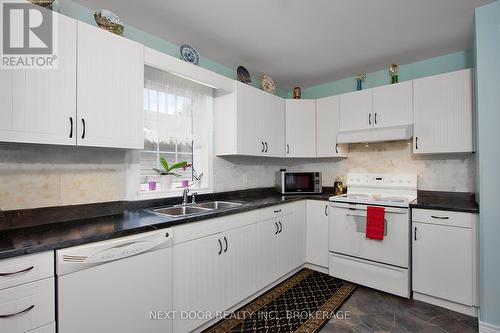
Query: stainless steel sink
181, 210
218, 204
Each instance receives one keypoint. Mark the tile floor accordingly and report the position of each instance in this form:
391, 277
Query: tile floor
375, 311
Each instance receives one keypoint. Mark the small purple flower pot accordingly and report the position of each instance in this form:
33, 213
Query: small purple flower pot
185, 183
152, 186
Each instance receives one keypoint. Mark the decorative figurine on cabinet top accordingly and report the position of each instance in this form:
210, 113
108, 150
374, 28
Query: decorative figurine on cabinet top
267, 84
394, 73
297, 92
359, 81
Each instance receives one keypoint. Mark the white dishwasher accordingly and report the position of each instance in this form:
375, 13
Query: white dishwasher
121, 285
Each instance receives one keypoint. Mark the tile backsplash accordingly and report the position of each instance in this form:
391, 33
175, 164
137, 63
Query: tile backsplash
38, 176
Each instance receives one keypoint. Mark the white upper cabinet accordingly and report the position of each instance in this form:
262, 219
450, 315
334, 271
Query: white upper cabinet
443, 113
356, 110
110, 89
300, 130
393, 105
39, 105
327, 127
249, 121
273, 125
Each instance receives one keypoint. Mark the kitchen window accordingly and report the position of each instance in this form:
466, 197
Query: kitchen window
177, 127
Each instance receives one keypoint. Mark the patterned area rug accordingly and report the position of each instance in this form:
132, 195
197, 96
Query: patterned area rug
303, 303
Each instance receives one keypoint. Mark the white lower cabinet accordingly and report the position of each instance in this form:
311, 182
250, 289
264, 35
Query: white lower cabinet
213, 273
28, 306
198, 281
445, 255
317, 233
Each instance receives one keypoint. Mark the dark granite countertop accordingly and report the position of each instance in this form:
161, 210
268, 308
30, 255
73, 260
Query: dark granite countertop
450, 201
37, 230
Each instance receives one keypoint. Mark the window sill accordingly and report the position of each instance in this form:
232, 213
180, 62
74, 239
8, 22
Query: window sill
176, 192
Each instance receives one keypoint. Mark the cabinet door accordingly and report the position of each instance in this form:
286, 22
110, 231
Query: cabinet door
317, 233
327, 127
300, 128
249, 109
197, 279
356, 110
291, 244
273, 125
39, 106
266, 246
110, 89
239, 264
443, 106
442, 262
393, 105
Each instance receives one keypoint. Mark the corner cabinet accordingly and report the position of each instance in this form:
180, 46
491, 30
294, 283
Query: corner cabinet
300, 127
327, 128
443, 111
39, 106
109, 89
249, 121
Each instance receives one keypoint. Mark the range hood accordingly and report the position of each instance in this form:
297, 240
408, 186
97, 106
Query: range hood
402, 132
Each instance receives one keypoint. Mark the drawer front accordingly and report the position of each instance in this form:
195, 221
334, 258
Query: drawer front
28, 306
443, 217
25, 269
275, 211
50, 328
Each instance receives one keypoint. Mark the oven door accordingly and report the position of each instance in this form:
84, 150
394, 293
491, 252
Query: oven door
347, 225
299, 182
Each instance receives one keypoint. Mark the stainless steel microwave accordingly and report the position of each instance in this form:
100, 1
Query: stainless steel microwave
297, 182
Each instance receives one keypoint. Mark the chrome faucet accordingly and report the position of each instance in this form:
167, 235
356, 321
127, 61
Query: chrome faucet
185, 196
193, 198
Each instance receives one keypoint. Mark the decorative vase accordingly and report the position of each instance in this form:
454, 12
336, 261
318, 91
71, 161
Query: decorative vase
297, 92
166, 182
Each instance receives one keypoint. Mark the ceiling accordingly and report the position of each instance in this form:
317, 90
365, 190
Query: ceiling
301, 42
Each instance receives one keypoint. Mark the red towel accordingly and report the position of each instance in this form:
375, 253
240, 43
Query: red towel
375, 222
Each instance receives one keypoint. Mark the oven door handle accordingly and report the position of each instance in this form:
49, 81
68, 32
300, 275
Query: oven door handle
351, 208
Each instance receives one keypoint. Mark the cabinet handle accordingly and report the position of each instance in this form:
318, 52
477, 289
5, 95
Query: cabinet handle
415, 233
326, 210
375, 117
18, 272
337, 148
71, 127
266, 147
281, 227
440, 217
278, 211
416, 143
17, 313
225, 241
277, 228
220, 246
370, 119
287, 148
262, 142
83, 133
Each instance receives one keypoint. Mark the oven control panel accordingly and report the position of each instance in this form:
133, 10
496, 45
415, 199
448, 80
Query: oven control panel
401, 181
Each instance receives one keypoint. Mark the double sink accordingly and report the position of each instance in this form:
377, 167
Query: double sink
199, 208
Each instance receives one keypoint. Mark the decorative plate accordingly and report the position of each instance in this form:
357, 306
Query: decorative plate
42, 3
189, 54
243, 75
108, 20
267, 84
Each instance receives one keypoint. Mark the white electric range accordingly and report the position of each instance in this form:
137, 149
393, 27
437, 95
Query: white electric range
379, 264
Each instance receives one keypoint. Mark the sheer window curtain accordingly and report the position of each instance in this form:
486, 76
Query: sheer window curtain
177, 126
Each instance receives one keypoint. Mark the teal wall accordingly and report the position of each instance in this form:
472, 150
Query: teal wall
487, 42
438, 65
81, 13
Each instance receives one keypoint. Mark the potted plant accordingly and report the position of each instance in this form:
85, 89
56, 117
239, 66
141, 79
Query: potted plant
166, 174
